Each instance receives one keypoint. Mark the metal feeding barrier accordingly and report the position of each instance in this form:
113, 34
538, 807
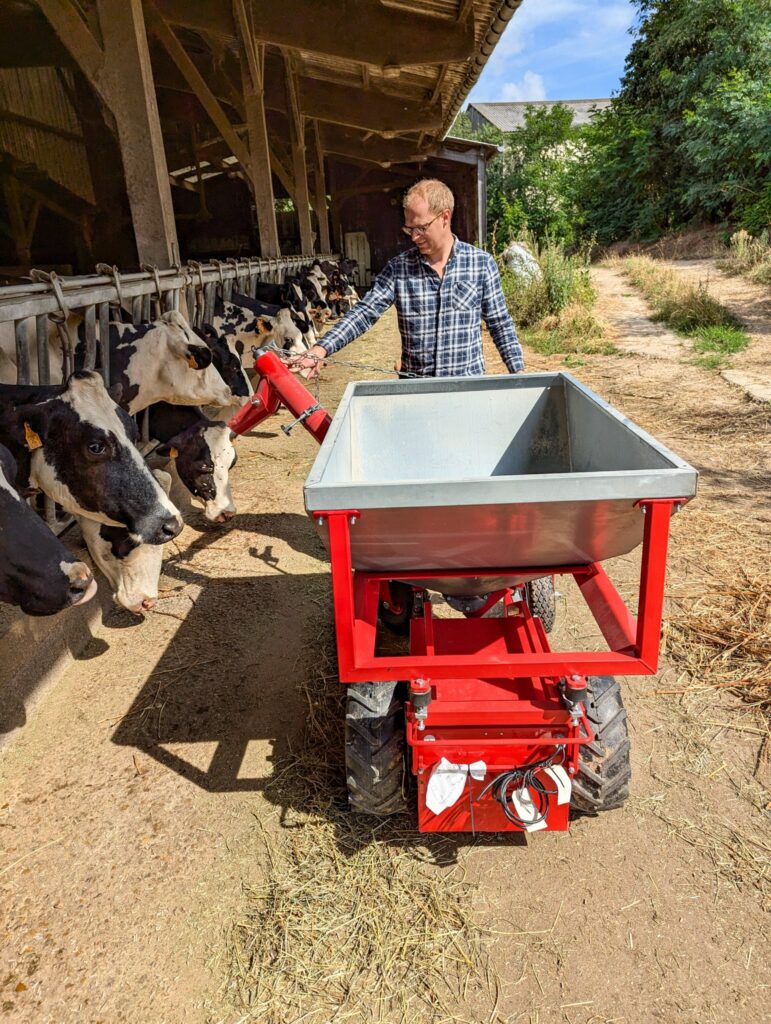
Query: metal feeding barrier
82, 307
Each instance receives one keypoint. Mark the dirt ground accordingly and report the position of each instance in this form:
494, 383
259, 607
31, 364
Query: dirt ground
135, 801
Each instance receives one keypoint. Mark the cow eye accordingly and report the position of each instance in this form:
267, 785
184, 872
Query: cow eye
97, 447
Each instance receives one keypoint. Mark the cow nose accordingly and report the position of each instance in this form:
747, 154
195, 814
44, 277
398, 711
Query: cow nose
170, 529
82, 589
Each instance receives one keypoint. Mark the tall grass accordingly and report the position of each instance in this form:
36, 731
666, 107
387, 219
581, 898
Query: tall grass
554, 310
749, 256
688, 310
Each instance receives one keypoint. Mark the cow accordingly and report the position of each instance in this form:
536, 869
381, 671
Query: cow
37, 573
163, 360
289, 295
203, 454
246, 320
227, 362
77, 446
132, 569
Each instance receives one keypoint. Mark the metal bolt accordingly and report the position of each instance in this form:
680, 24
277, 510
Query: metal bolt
678, 507
256, 401
643, 509
320, 520
576, 679
353, 520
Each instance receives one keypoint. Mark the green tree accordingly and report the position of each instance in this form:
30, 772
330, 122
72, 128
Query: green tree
688, 138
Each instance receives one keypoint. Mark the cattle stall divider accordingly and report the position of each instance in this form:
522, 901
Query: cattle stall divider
29, 309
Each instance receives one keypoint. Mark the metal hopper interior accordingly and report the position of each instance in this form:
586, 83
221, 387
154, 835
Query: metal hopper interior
522, 471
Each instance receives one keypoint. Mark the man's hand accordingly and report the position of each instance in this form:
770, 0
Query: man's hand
312, 361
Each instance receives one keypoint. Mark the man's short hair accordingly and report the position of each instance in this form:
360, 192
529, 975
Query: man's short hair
435, 192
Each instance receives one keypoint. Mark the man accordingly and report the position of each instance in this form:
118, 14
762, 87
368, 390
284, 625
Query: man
442, 289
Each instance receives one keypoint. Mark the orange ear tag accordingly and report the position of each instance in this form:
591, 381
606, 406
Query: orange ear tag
192, 363
32, 439
173, 452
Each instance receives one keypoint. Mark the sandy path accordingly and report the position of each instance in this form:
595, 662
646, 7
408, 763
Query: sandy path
130, 798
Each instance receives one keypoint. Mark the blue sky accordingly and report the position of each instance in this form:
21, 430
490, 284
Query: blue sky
559, 50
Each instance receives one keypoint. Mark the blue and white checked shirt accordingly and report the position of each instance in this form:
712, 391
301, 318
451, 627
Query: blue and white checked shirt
439, 317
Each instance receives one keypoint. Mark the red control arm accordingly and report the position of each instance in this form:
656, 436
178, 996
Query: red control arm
277, 387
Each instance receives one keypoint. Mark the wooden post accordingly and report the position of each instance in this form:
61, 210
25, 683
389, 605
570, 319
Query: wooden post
481, 201
299, 164
260, 179
128, 78
320, 192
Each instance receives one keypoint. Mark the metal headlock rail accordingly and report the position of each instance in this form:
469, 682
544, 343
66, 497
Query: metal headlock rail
66, 301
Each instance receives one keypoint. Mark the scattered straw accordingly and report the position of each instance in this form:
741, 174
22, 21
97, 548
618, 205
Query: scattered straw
352, 921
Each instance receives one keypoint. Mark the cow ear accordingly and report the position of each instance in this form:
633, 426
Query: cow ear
115, 391
198, 358
166, 451
240, 348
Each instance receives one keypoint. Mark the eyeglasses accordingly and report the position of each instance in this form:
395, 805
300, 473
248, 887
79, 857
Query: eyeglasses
419, 229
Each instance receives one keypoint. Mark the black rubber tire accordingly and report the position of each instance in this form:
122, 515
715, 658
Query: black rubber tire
374, 749
398, 622
542, 601
604, 768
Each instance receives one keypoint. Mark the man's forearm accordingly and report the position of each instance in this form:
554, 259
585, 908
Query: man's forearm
355, 322
504, 334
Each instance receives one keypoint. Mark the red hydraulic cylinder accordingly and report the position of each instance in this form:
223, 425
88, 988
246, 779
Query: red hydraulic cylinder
278, 386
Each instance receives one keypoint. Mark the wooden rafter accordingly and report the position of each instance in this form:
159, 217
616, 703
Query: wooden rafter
166, 37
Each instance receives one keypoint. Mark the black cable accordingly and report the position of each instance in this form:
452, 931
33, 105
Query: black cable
524, 777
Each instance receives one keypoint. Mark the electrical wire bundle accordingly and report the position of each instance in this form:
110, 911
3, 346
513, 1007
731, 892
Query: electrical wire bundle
526, 776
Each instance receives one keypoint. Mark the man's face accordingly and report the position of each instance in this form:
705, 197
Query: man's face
417, 213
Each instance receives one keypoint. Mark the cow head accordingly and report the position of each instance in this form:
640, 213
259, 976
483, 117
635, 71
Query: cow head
82, 455
168, 362
204, 455
132, 569
37, 573
226, 362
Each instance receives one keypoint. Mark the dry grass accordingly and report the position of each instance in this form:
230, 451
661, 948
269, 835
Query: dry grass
352, 921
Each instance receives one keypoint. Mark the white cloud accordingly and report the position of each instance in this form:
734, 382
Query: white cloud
529, 87
560, 41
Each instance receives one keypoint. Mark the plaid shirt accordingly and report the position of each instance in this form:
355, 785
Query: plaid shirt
439, 317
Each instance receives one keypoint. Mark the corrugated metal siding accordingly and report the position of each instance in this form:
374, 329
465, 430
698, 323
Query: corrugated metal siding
38, 94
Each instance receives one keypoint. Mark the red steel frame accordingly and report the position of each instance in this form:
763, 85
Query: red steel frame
497, 689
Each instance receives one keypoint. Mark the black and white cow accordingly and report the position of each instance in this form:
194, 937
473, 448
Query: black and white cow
164, 361
289, 295
37, 573
203, 454
227, 362
77, 446
248, 321
132, 569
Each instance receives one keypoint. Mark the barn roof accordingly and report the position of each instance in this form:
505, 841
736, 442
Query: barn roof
509, 116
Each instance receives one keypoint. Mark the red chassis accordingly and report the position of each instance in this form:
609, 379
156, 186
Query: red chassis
494, 689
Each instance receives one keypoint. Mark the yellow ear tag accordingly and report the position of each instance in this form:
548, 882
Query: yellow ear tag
192, 363
173, 452
32, 439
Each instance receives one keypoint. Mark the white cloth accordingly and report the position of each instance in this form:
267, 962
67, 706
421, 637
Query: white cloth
447, 782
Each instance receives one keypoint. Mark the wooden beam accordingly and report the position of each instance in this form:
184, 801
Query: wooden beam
75, 34
299, 162
378, 151
192, 75
43, 126
259, 174
339, 104
360, 30
130, 92
320, 191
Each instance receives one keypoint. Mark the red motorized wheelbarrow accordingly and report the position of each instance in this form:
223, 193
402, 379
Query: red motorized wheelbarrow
483, 490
